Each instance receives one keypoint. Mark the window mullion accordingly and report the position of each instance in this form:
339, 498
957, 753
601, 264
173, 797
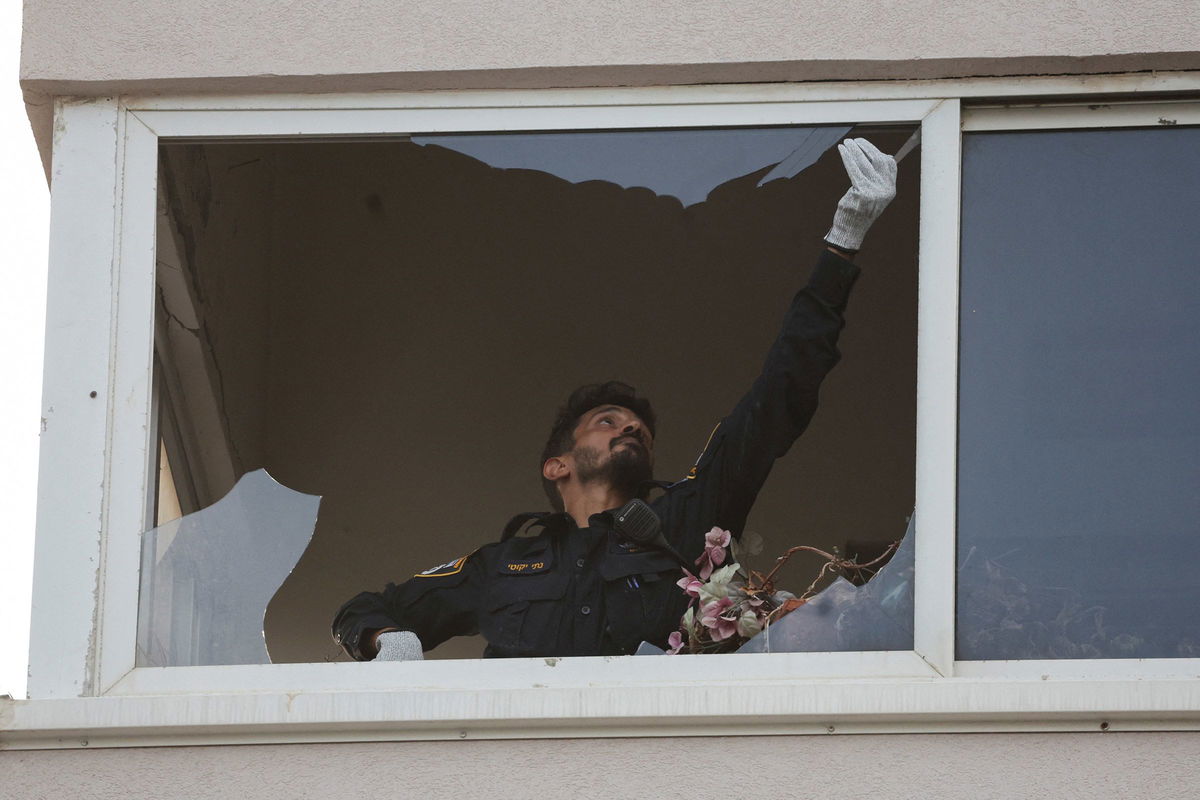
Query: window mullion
937, 386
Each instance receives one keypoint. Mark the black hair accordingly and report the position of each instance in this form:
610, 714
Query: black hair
581, 401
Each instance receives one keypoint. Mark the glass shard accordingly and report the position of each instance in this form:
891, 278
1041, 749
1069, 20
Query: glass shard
207, 577
845, 617
686, 164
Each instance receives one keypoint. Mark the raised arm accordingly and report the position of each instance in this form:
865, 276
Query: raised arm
724, 483
781, 401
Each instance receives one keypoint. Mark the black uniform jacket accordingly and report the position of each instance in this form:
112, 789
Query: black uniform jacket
569, 591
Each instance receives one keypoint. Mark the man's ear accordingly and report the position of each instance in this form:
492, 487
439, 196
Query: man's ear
556, 467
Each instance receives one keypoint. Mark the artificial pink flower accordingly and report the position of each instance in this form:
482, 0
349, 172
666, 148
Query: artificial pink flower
719, 619
717, 537
710, 611
727, 624
675, 640
715, 542
710, 615
724, 629
690, 585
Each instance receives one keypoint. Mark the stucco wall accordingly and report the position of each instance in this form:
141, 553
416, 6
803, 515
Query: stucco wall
75, 47
199, 41
1118, 765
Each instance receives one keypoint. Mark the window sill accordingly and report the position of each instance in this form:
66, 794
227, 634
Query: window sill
536, 698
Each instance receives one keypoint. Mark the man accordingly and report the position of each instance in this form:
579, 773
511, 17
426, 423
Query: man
576, 587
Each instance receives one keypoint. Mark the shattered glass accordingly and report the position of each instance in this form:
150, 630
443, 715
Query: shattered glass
843, 617
685, 164
207, 577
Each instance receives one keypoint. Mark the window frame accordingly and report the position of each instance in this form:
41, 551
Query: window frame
98, 455
1075, 116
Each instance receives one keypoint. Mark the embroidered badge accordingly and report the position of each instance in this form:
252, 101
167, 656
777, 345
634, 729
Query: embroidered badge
449, 568
527, 566
523, 567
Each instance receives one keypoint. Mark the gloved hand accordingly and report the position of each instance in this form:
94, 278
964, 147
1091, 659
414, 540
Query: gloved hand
872, 187
399, 646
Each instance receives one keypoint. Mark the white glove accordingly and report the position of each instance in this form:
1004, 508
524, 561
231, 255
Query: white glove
872, 187
399, 646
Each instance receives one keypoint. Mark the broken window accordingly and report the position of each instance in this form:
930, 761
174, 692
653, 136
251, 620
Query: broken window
207, 577
1079, 438
391, 324
846, 616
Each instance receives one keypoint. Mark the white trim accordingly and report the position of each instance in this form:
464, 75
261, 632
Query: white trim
678, 709
130, 422
1076, 669
71, 481
132, 449
738, 94
315, 121
471, 675
1111, 115
937, 387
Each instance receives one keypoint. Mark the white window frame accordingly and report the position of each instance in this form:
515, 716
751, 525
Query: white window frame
1076, 116
98, 456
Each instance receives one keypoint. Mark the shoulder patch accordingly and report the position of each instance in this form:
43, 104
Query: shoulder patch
449, 568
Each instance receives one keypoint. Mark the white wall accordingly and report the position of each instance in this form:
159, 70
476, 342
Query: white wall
89, 47
198, 40
976, 766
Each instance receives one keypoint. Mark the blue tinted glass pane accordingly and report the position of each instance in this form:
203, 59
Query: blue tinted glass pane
1079, 415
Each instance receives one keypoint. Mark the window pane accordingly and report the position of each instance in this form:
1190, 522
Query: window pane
1079, 440
392, 324
207, 577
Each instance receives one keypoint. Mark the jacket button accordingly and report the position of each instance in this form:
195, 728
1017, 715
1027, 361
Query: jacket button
579, 562
585, 610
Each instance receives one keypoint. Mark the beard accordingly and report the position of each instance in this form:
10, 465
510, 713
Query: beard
626, 470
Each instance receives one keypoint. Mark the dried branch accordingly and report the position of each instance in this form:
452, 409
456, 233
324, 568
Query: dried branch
832, 562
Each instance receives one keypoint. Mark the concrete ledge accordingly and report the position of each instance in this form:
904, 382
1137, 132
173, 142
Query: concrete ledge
910, 705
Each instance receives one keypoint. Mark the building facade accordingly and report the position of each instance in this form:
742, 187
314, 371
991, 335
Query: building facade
270, 241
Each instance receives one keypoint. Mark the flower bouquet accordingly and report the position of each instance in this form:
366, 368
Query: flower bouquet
728, 605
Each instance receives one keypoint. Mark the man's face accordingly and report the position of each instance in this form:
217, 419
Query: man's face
613, 445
